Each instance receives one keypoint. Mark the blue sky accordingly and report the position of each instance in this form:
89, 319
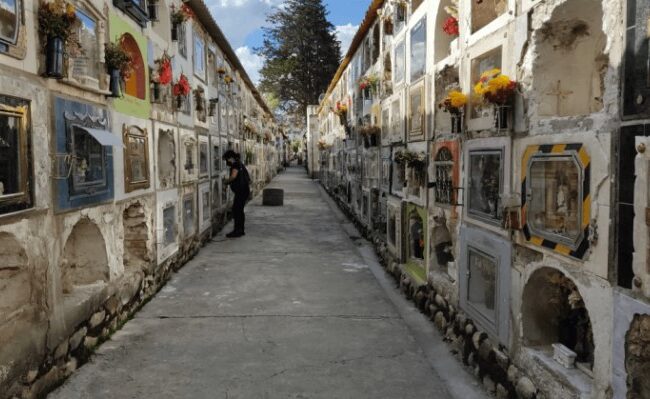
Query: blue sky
242, 22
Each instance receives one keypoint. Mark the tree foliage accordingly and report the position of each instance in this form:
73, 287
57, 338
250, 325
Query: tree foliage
301, 52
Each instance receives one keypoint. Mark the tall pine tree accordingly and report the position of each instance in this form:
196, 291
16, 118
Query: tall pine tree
301, 52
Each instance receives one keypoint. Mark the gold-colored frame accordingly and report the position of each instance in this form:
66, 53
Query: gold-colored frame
129, 132
23, 197
416, 130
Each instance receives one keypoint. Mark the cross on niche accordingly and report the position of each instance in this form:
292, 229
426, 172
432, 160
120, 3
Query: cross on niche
559, 94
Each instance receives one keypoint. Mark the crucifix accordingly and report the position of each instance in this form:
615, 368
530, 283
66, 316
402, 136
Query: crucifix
559, 94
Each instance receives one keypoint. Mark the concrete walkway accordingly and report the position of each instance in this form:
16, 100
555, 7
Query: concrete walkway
295, 309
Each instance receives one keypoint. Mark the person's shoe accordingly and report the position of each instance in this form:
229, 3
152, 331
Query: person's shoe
234, 234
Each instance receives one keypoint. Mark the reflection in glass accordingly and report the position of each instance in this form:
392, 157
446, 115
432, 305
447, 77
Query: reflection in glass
485, 184
88, 165
206, 206
481, 291
9, 155
400, 61
9, 20
418, 49
188, 214
169, 225
199, 57
555, 184
203, 158
85, 62
137, 159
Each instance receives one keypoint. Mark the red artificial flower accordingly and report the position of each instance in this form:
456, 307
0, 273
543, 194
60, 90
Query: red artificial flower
182, 87
165, 72
450, 26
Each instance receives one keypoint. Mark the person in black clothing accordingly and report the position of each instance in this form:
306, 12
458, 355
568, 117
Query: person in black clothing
239, 182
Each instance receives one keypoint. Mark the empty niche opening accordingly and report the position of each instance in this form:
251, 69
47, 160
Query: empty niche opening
637, 357
486, 11
568, 73
15, 282
136, 237
416, 236
166, 159
84, 257
442, 244
442, 41
446, 80
553, 311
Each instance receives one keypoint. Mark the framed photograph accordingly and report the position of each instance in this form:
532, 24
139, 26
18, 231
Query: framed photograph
416, 112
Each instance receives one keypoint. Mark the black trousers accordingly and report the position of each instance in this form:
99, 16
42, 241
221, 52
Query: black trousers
238, 210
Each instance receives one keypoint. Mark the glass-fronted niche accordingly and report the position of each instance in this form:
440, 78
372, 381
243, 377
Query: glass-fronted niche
84, 154
485, 280
636, 75
12, 28
15, 155
485, 184
485, 62
136, 158
418, 49
556, 205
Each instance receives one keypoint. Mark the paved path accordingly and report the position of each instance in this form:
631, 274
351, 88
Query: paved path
295, 309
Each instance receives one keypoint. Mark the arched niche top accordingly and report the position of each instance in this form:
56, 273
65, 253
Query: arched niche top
135, 84
84, 260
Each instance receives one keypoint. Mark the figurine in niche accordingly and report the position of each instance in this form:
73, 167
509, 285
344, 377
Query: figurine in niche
82, 170
442, 243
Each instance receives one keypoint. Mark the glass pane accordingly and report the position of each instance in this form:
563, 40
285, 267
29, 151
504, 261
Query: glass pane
396, 120
555, 202
481, 64
203, 158
416, 237
189, 158
169, 225
9, 20
85, 63
216, 160
206, 205
188, 214
199, 57
416, 116
9, 155
418, 49
182, 41
88, 165
485, 183
400, 61
481, 288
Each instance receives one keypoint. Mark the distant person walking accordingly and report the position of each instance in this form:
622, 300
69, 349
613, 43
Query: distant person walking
239, 182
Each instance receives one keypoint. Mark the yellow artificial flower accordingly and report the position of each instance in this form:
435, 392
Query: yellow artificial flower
70, 9
457, 99
490, 73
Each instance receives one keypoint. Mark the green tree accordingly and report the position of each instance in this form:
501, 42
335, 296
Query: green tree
301, 52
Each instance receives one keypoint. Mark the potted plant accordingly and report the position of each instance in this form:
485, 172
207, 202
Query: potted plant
56, 22
118, 65
454, 103
178, 16
370, 134
497, 89
181, 89
369, 84
162, 74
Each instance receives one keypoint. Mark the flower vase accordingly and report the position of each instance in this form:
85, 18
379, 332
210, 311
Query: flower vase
179, 102
366, 141
501, 116
342, 118
373, 140
114, 85
54, 57
174, 32
457, 123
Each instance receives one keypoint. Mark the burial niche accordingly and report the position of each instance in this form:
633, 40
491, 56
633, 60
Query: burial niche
136, 237
446, 80
166, 159
442, 40
84, 257
553, 311
485, 11
637, 357
15, 282
568, 73
441, 241
416, 236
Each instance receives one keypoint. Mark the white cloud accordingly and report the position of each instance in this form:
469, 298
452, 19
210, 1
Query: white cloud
239, 18
345, 34
251, 62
